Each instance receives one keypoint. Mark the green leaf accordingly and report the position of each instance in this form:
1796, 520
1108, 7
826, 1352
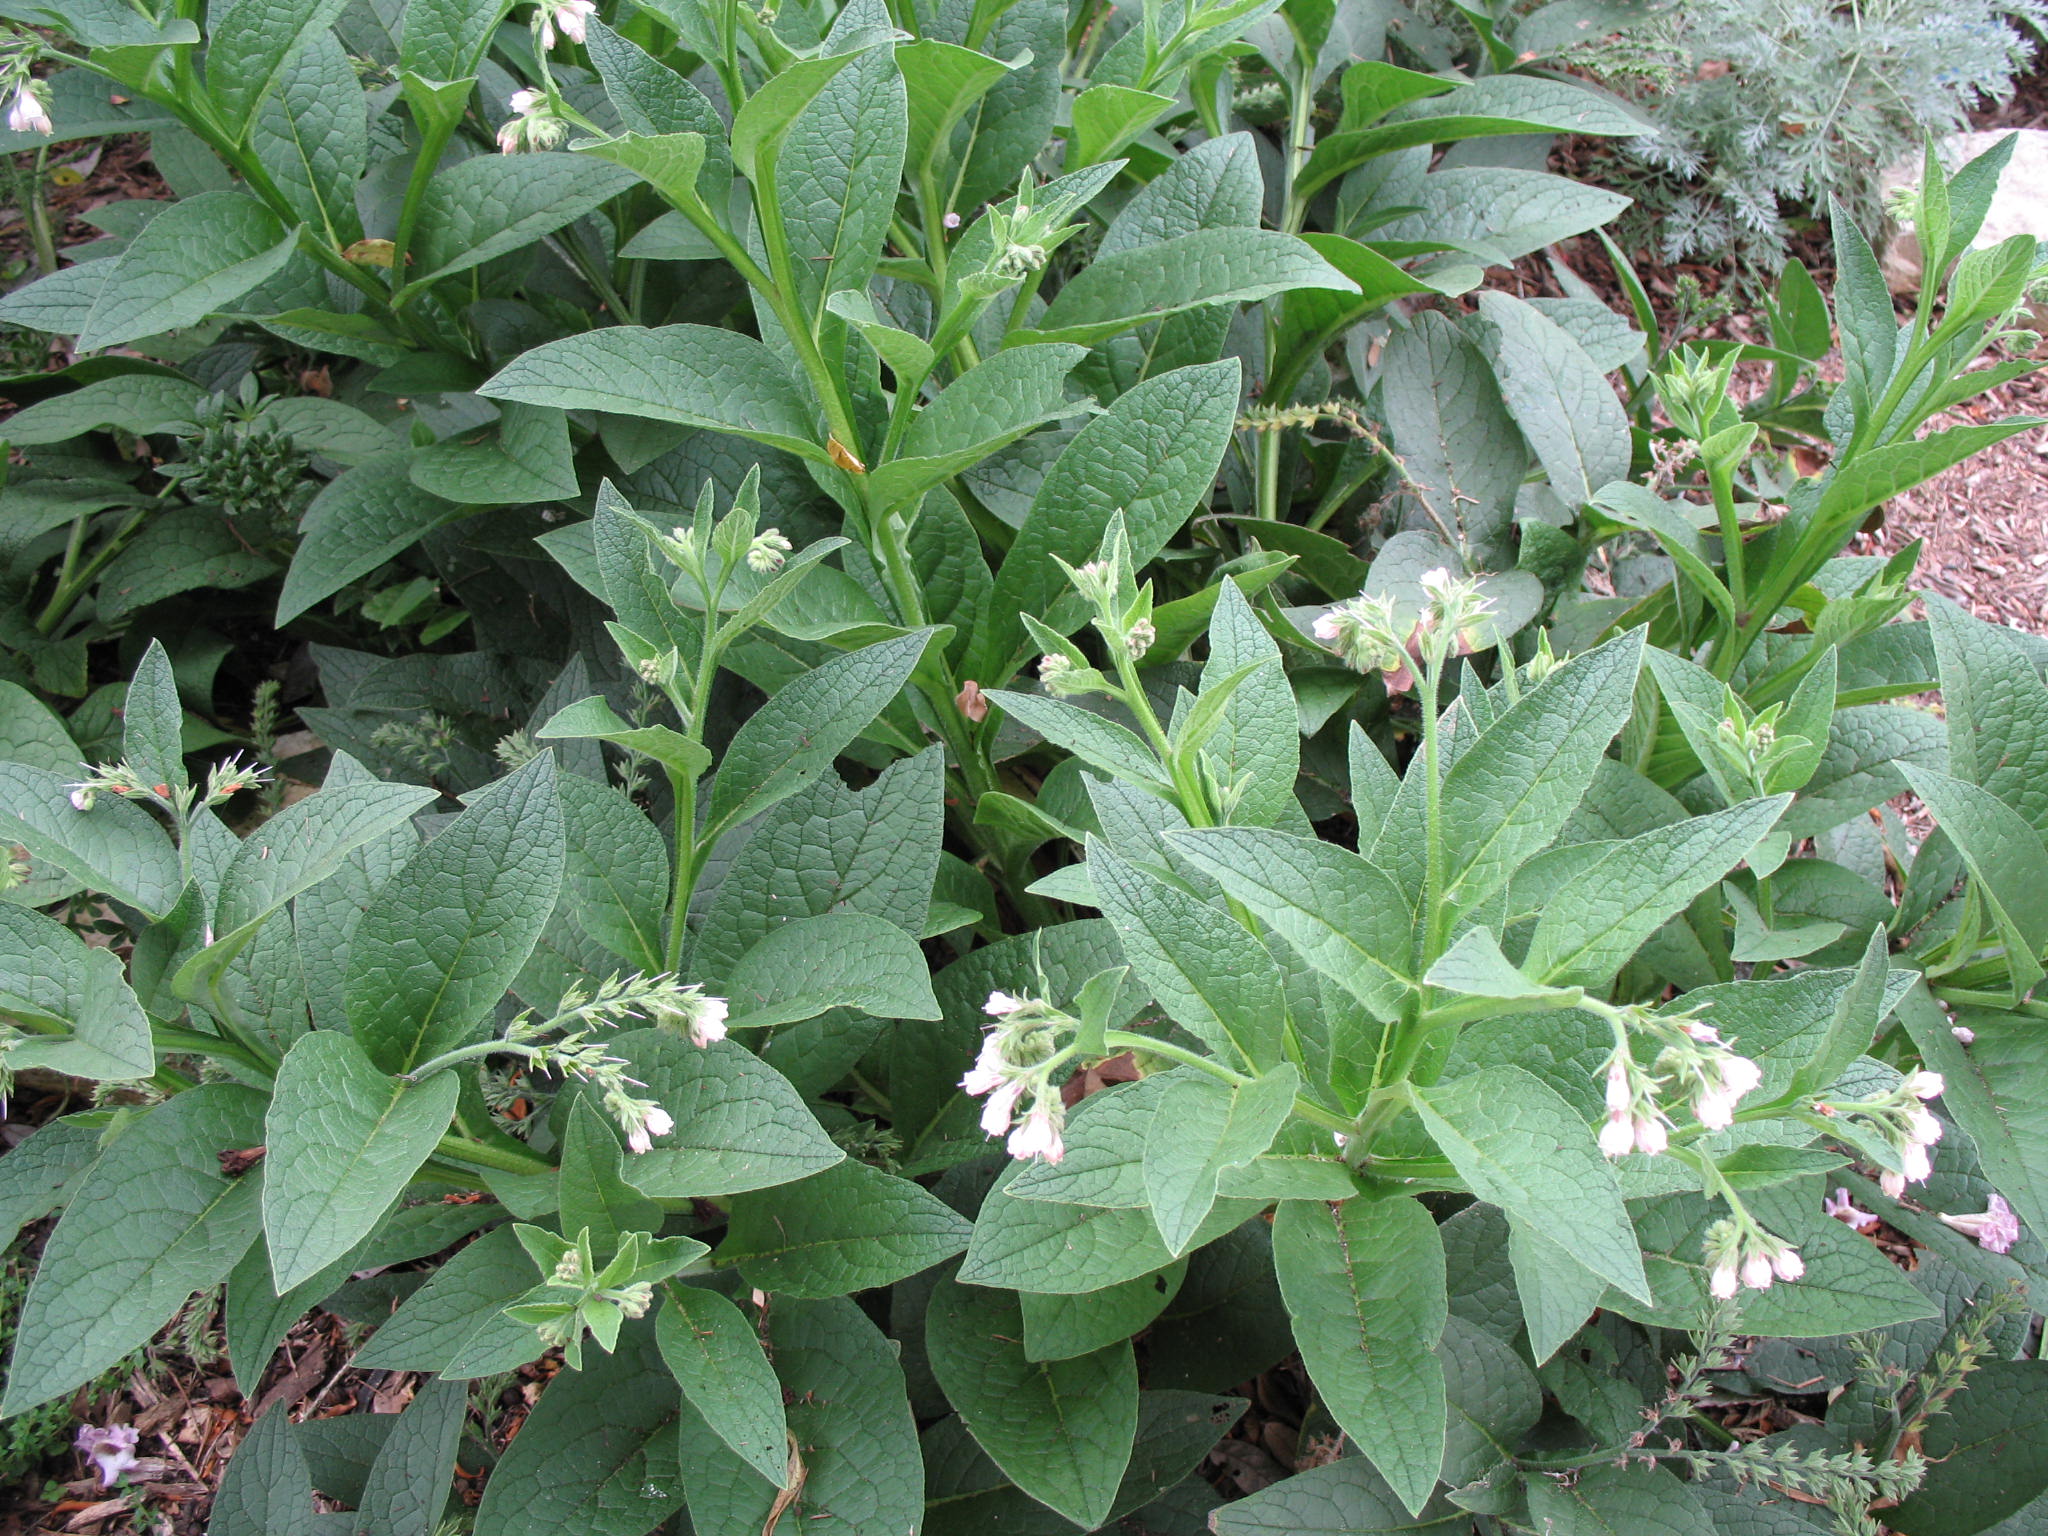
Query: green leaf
2007, 862
491, 205
1520, 1146
1061, 1327
305, 843
739, 1125
408, 1484
598, 1455
344, 1140
1151, 456
39, 1173
1258, 745
1878, 474
1203, 1127
198, 255
31, 733
1343, 915
1115, 749
248, 49
63, 301
442, 940
849, 1228
1207, 971
1510, 793
1057, 1249
528, 461
668, 162
830, 849
792, 738
152, 721
595, 1196
1604, 1501
154, 1221
360, 519
266, 1490
447, 39
848, 1415
176, 551
116, 847
1208, 266
761, 126
592, 719
1341, 1498
1599, 918
51, 980
716, 1359
692, 374
1562, 402
1997, 1091
945, 81
1364, 1281
142, 403
983, 411
1988, 1454
1996, 706
1106, 118
1061, 1430
837, 175
312, 135
615, 872
455, 1324
840, 960
1557, 1292
1494, 1400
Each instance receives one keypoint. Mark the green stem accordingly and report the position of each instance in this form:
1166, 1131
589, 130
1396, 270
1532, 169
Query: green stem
1126, 1040
192, 1042
433, 143
478, 1154
35, 214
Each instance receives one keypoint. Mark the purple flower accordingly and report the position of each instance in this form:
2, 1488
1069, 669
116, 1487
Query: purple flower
1995, 1228
1839, 1206
111, 1448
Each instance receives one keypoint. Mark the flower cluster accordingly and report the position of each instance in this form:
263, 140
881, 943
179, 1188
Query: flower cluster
1898, 1122
223, 781
1742, 1254
663, 1000
578, 1293
534, 124
1694, 1066
1017, 1061
1375, 632
570, 17
767, 551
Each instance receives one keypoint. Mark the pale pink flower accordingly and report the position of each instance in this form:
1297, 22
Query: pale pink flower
1995, 1228
1915, 1163
1001, 1005
1715, 1111
572, 16
1706, 1034
1617, 1136
1650, 1135
1739, 1075
1620, 1094
1893, 1184
1964, 1033
1757, 1273
1925, 1085
1787, 1264
1723, 1281
1038, 1136
26, 114
951, 221
707, 1020
654, 1121
1001, 1106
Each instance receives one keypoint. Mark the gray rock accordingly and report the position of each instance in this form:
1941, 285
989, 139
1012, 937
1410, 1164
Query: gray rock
2019, 208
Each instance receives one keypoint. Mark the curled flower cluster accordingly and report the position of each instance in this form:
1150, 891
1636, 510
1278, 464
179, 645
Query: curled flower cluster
223, 781
1372, 632
1902, 1121
1695, 1066
767, 552
1017, 1061
1741, 1254
533, 124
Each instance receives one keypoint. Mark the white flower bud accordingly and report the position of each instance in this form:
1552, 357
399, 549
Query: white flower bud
1723, 1281
1756, 1271
1787, 1264
1617, 1136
